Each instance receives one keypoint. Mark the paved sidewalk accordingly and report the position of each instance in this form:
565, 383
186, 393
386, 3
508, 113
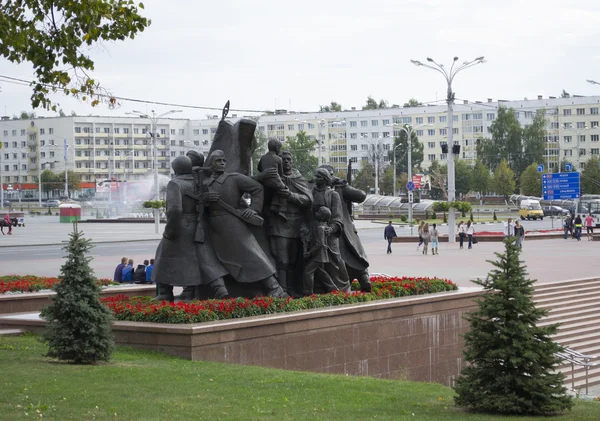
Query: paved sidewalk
47, 230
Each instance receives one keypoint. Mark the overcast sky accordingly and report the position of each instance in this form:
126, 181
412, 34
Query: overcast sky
263, 54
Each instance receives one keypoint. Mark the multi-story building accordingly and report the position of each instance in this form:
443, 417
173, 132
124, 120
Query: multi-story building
121, 148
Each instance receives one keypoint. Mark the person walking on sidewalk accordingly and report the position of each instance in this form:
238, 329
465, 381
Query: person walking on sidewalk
389, 233
589, 225
420, 231
470, 233
519, 233
567, 225
434, 240
578, 227
462, 232
426, 236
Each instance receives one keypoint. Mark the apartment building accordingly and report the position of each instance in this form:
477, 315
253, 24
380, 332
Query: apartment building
121, 148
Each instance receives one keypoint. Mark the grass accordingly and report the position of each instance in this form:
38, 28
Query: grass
143, 385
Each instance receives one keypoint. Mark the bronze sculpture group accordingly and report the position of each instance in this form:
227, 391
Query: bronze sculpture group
229, 234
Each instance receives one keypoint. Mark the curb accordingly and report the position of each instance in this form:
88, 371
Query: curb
64, 242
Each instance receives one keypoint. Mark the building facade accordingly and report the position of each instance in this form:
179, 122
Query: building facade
121, 148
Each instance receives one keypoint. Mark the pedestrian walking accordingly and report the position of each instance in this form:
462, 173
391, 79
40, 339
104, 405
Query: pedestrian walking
8, 223
509, 228
578, 227
420, 231
462, 232
589, 225
434, 240
470, 233
389, 233
519, 233
426, 235
566, 225
117, 277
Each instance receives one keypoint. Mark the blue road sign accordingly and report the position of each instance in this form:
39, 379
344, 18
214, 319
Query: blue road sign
561, 186
410, 186
568, 167
541, 168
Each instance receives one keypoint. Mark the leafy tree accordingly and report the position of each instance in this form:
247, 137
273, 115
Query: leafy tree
78, 326
511, 360
73, 181
590, 176
387, 183
402, 150
438, 176
365, 177
301, 148
531, 181
462, 177
332, 107
533, 139
480, 178
55, 36
24, 115
505, 143
50, 181
374, 105
504, 182
412, 103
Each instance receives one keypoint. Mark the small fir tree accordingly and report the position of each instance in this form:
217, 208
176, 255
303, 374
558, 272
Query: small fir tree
445, 218
79, 325
495, 217
471, 216
511, 359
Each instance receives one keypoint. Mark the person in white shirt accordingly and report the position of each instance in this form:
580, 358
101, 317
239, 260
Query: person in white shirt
462, 232
470, 233
509, 228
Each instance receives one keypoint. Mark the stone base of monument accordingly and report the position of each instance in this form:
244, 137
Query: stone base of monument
415, 338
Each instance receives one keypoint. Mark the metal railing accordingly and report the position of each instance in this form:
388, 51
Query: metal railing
576, 358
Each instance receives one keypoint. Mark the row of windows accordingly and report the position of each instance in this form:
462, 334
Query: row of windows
580, 111
125, 130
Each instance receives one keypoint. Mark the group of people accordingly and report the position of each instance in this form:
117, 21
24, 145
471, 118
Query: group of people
428, 235
125, 273
514, 229
574, 225
290, 236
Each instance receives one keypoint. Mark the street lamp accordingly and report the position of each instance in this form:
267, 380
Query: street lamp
408, 130
154, 121
449, 76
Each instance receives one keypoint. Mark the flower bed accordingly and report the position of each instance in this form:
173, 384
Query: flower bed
500, 233
144, 309
30, 283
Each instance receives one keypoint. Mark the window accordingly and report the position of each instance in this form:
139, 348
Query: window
77, 129
431, 132
182, 131
386, 122
431, 144
528, 114
517, 114
374, 123
580, 111
311, 126
353, 135
173, 131
594, 151
107, 130
173, 154
443, 132
386, 134
172, 143
594, 138
594, 124
364, 123
117, 130
554, 125
567, 139
42, 154
374, 135
431, 157
455, 130
51, 154
490, 116
442, 119
42, 131
125, 130
580, 124
581, 152
204, 131
353, 124
213, 130
136, 131
5, 133
454, 118
430, 120
353, 147
568, 152
196, 132
419, 120
22, 132
290, 127
566, 112
364, 147
582, 138
594, 110
419, 132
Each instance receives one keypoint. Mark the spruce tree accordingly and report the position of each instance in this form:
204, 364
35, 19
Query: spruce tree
511, 360
78, 326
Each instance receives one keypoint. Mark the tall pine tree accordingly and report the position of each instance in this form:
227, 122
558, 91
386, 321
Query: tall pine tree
79, 325
511, 360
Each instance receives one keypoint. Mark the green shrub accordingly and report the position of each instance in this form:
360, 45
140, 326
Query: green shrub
471, 216
495, 217
403, 218
445, 218
155, 204
433, 215
426, 214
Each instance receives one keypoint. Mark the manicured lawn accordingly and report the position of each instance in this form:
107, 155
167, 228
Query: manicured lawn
139, 385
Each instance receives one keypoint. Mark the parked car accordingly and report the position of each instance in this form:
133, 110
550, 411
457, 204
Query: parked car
555, 211
7, 204
52, 203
